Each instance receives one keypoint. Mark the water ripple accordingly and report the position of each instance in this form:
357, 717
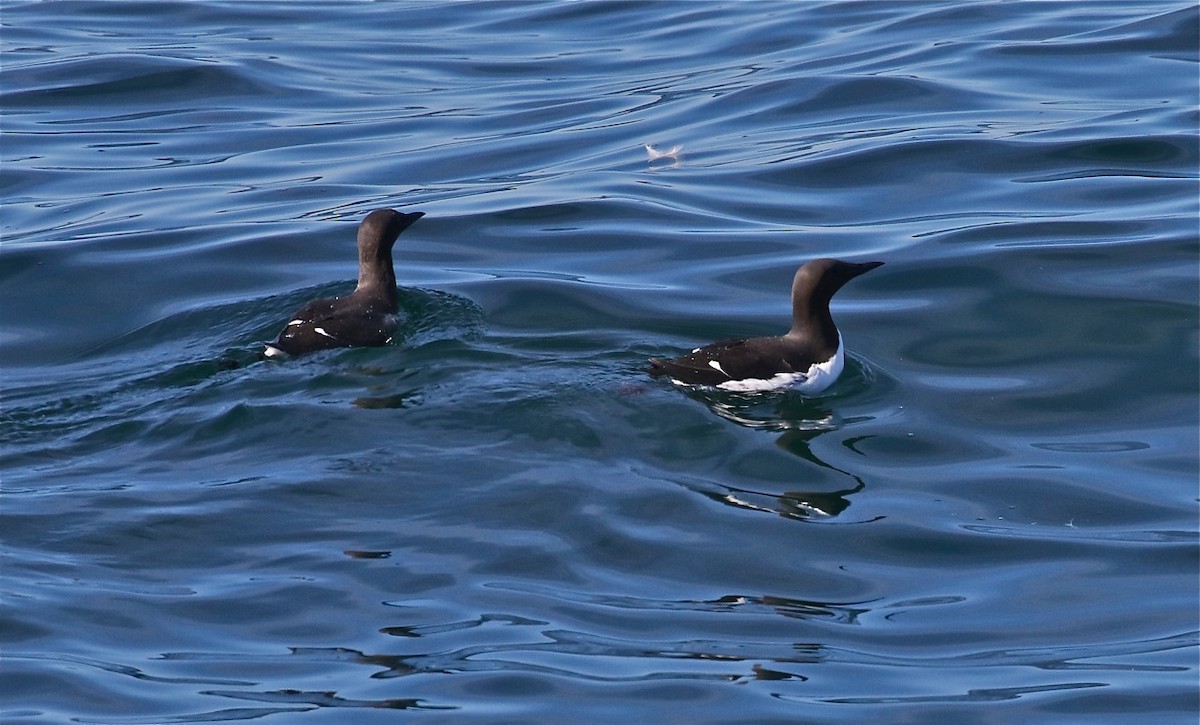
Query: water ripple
993, 513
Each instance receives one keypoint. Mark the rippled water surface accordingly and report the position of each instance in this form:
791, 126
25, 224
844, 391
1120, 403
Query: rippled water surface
992, 516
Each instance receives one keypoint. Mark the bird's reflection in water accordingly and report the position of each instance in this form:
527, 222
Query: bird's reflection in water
799, 421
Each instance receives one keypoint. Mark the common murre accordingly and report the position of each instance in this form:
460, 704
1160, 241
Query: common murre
367, 316
809, 358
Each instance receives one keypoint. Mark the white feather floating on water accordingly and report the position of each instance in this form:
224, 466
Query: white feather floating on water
671, 153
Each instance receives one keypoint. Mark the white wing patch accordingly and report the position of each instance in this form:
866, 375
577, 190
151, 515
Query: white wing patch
295, 322
775, 382
818, 377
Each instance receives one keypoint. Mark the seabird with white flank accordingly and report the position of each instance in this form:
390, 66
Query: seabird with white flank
809, 358
367, 316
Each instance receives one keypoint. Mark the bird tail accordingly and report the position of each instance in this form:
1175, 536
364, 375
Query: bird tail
658, 366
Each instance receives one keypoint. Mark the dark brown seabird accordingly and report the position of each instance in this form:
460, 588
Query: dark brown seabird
809, 358
367, 316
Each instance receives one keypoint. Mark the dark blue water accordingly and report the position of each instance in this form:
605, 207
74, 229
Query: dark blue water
991, 518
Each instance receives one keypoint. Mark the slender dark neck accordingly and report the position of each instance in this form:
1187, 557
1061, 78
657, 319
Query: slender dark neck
811, 319
376, 275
